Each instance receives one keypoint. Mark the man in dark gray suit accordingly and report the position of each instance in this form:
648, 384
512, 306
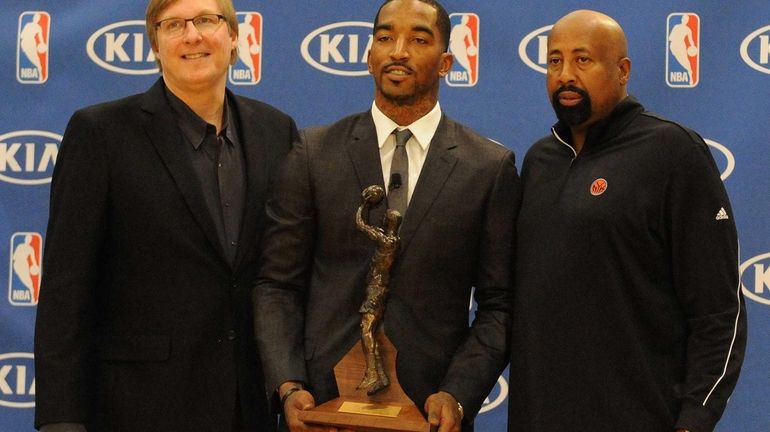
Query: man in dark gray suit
157, 207
462, 193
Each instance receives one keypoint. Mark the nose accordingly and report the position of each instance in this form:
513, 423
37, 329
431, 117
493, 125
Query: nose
191, 33
399, 51
566, 75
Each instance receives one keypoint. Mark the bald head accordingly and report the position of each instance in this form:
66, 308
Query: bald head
598, 27
588, 67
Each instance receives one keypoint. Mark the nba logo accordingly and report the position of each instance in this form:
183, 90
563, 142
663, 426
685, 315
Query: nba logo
247, 69
464, 46
683, 50
32, 48
25, 268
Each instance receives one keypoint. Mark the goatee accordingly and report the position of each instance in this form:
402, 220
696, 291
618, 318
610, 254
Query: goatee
572, 115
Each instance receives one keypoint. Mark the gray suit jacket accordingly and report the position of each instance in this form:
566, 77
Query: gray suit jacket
458, 233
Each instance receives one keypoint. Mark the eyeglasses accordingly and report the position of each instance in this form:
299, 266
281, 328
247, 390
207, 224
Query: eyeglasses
174, 27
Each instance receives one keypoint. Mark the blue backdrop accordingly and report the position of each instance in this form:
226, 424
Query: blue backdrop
704, 63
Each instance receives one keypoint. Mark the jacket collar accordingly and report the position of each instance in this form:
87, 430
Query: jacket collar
602, 133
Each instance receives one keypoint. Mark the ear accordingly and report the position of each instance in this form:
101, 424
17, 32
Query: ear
233, 47
445, 64
624, 70
369, 62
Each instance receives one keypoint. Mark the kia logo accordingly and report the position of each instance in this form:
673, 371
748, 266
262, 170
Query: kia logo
122, 48
539, 40
763, 50
17, 380
27, 157
339, 48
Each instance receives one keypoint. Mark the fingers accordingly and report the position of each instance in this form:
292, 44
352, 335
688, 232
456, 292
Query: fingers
443, 414
298, 401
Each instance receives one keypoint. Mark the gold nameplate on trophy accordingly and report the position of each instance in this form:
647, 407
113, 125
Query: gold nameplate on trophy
373, 409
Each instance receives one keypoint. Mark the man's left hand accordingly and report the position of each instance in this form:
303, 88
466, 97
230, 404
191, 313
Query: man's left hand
444, 412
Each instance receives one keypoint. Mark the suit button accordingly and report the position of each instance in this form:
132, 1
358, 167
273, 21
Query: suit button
231, 335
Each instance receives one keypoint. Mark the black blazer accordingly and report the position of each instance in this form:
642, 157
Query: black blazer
142, 323
458, 233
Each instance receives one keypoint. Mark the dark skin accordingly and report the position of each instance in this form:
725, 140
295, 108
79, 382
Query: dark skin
588, 49
407, 61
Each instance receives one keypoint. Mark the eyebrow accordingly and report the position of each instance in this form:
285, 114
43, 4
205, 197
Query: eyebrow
416, 28
579, 50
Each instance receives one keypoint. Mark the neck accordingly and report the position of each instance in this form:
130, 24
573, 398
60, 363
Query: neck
578, 137
404, 114
207, 103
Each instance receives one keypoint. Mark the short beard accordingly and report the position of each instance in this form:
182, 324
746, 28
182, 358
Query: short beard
574, 115
400, 100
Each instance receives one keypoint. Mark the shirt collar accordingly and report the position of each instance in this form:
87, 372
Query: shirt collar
422, 129
193, 127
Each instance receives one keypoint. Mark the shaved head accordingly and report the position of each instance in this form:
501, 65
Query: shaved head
588, 67
601, 28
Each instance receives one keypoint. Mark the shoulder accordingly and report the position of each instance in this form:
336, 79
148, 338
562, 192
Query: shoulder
481, 146
667, 131
343, 127
258, 107
118, 108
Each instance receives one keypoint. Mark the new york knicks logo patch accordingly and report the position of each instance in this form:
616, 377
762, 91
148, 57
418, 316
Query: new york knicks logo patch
32, 47
464, 46
247, 69
25, 268
598, 187
683, 50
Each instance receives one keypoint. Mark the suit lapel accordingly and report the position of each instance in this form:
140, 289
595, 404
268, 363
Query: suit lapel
439, 164
365, 154
253, 141
164, 134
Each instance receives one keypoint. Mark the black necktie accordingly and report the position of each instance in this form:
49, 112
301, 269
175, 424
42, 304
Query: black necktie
399, 173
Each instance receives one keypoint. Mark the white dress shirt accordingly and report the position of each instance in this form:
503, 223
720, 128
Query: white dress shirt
422, 130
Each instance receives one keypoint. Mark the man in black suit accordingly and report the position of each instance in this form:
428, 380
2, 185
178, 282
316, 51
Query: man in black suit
157, 208
457, 233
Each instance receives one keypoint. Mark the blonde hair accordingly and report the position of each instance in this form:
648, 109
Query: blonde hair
156, 7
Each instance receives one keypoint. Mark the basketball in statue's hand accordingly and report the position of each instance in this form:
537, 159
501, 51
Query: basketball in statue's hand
373, 194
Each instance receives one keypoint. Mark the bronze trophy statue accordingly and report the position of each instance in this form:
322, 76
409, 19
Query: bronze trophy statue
376, 402
373, 308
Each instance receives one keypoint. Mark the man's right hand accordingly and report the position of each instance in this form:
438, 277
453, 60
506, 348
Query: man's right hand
296, 402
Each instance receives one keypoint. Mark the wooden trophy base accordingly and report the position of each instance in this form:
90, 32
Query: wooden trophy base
389, 410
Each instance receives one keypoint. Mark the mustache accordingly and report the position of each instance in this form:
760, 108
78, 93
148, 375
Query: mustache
400, 64
570, 88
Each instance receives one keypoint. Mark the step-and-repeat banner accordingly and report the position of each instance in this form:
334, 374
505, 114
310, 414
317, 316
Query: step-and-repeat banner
703, 63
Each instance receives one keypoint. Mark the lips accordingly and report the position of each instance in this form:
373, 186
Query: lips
194, 56
397, 72
569, 98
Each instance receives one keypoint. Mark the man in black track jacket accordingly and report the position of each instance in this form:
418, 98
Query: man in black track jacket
627, 311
